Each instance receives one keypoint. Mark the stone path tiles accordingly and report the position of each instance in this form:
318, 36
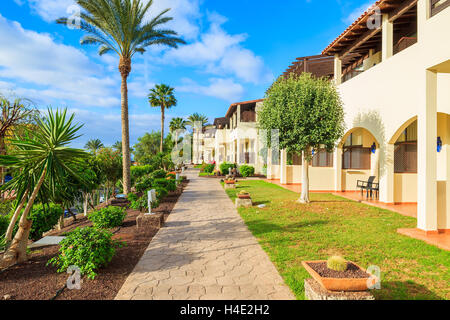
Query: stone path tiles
204, 251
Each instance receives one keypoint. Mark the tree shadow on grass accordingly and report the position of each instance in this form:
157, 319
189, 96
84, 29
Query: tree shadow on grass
262, 227
404, 290
257, 203
330, 201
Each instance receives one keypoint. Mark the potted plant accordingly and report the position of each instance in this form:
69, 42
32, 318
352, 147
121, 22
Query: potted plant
243, 195
338, 274
230, 181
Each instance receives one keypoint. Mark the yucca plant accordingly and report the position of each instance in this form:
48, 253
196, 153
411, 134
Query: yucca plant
43, 155
121, 26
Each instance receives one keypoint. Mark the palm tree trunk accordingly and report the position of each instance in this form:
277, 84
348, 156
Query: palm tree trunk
304, 197
17, 252
162, 129
125, 69
12, 223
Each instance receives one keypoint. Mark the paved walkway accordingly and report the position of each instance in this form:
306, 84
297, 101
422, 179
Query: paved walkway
204, 251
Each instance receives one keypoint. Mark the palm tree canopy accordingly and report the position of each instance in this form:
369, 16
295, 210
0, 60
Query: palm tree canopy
121, 26
177, 124
162, 96
94, 145
196, 117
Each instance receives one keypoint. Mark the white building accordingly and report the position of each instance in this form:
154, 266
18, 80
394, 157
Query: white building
392, 67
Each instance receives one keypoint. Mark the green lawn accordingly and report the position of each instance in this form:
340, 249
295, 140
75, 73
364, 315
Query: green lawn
291, 232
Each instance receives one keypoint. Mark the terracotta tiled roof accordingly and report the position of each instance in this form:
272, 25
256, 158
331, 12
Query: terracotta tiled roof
230, 109
365, 15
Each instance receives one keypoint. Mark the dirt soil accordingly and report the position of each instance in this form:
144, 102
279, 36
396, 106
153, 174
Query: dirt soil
33, 280
352, 271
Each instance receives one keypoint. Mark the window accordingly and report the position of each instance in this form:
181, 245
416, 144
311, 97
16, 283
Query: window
405, 152
322, 158
355, 156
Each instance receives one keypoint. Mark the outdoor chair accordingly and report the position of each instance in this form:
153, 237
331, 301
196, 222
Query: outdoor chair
369, 186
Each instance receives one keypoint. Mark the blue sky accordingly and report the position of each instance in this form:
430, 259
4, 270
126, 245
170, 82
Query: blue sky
235, 49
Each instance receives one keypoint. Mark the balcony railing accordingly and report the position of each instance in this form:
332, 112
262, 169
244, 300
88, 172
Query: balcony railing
404, 43
437, 6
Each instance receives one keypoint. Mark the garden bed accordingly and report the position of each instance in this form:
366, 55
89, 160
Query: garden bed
33, 280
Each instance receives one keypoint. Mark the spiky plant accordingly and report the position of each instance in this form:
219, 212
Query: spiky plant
337, 263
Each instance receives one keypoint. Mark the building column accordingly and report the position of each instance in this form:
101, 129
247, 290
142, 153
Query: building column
386, 178
283, 169
337, 164
238, 150
387, 38
238, 114
337, 70
426, 155
269, 163
375, 164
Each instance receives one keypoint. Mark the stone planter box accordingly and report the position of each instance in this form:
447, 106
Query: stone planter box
314, 291
230, 185
337, 284
153, 220
243, 202
243, 196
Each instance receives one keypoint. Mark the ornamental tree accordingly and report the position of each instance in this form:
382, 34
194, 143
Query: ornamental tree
308, 113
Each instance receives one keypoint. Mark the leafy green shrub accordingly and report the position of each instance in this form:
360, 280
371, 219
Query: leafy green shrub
142, 202
170, 184
161, 193
140, 171
208, 168
247, 171
224, 167
158, 174
4, 223
6, 207
87, 248
337, 263
44, 218
109, 217
144, 183
132, 197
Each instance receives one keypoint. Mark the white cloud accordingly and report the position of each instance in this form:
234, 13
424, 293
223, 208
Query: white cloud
225, 89
106, 126
184, 12
50, 71
355, 14
219, 52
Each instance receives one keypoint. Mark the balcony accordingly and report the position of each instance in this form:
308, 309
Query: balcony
437, 6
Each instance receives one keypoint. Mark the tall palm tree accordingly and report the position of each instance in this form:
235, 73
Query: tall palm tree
177, 124
196, 117
120, 26
43, 154
162, 96
94, 145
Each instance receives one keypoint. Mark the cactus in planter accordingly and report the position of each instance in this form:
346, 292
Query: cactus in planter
337, 263
243, 192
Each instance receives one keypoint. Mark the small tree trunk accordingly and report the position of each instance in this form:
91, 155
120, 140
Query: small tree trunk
61, 221
162, 129
17, 252
304, 197
85, 203
12, 223
125, 69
